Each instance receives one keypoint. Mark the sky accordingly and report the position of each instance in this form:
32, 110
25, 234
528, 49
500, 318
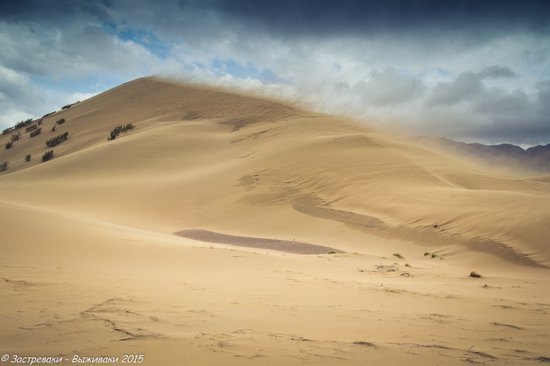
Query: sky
469, 70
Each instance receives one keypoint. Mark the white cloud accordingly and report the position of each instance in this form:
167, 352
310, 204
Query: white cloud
78, 97
20, 99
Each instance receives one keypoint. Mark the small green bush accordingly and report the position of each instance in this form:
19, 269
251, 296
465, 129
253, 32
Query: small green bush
4, 166
28, 158
47, 155
398, 255
9, 145
60, 121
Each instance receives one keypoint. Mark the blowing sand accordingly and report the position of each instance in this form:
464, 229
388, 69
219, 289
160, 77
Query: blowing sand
90, 265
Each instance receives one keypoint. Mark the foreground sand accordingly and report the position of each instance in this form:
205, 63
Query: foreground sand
91, 265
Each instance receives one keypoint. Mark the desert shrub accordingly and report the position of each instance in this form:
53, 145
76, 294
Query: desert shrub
4, 166
36, 132
23, 123
28, 158
364, 343
49, 114
16, 136
7, 130
53, 128
47, 155
120, 129
9, 145
398, 255
17, 126
57, 139
475, 274
31, 128
39, 122
60, 121
69, 105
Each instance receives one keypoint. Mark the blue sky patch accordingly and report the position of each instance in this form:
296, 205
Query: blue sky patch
141, 37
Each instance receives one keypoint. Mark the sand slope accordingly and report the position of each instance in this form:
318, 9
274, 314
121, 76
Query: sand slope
92, 263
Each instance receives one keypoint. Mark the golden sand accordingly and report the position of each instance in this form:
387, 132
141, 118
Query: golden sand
90, 264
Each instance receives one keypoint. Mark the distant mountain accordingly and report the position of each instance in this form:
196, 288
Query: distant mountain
533, 159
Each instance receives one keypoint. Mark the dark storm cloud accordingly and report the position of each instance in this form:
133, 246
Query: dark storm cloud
313, 17
467, 86
506, 115
51, 10
516, 119
316, 17
496, 72
543, 101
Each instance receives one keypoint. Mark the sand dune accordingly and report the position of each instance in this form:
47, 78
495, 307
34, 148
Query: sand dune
91, 264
